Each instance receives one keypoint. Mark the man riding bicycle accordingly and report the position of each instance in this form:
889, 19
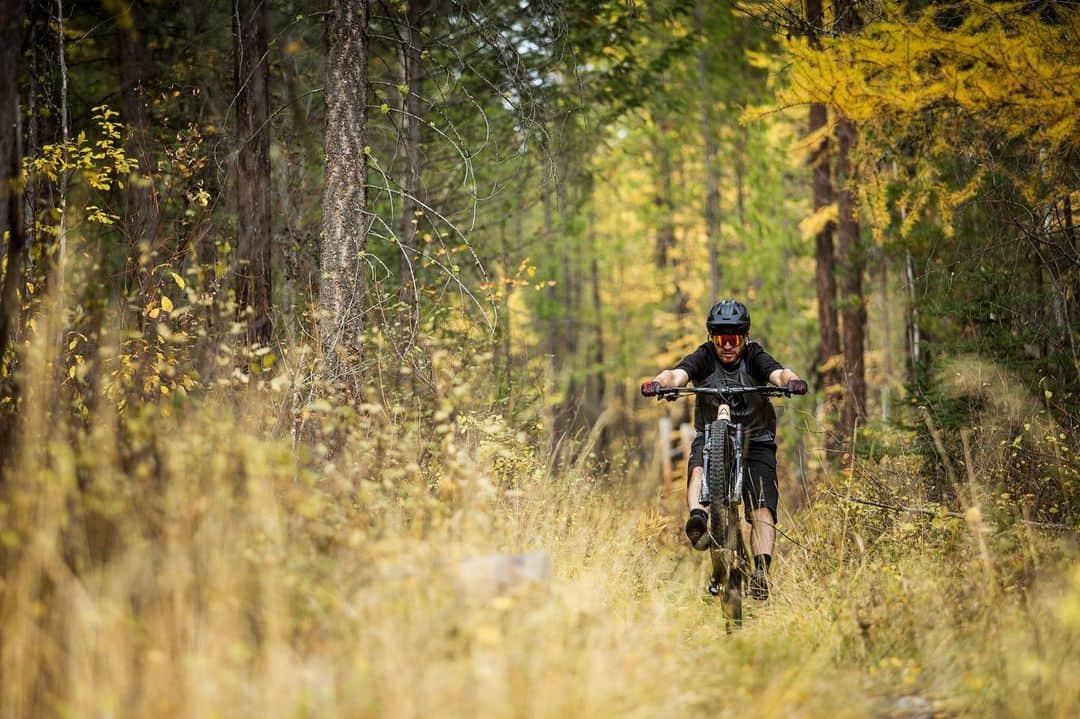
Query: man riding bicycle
729, 359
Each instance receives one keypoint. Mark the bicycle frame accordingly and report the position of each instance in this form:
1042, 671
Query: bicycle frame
725, 394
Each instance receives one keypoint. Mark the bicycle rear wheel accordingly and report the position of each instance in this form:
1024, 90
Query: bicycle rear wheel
734, 554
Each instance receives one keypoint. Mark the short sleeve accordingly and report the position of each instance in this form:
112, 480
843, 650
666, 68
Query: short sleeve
696, 364
762, 364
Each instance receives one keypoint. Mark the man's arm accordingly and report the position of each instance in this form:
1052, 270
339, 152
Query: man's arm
781, 377
672, 378
668, 378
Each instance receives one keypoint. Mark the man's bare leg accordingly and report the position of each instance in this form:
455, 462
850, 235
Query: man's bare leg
697, 524
762, 539
762, 531
693, 490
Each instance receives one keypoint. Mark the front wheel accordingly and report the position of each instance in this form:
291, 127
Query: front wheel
718, 466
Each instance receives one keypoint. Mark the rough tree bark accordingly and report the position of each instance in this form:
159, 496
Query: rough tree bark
11, 217
412, 110
141, 215
59, 265
712, 168
554, 322
850, 263
740, 174
665, 230
253, 234
342, 289
828, 369
597, 396
850, 258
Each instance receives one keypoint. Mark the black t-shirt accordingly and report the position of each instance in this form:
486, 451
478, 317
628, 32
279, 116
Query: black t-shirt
753, 368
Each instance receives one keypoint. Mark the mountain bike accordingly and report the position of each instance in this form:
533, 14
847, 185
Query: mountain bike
721, 492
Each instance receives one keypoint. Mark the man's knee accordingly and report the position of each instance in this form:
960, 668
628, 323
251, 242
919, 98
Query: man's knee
766, 515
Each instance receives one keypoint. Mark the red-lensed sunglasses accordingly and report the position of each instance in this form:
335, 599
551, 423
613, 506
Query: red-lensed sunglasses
733, 340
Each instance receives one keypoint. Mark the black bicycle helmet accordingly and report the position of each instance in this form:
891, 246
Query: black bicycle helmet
728, 316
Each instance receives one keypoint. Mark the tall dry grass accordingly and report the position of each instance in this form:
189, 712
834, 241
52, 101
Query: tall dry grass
201, 565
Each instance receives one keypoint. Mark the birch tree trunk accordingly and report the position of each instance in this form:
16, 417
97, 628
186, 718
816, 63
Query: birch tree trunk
253, 232
342, 287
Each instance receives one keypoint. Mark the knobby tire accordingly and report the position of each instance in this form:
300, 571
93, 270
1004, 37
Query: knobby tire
724, 522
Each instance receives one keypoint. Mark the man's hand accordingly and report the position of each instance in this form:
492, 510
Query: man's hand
797, 386
652, 388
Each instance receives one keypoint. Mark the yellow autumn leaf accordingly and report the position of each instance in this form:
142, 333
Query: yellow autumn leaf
154, 313
166, 304
178, 280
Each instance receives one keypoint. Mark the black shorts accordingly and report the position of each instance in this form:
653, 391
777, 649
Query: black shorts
759, 487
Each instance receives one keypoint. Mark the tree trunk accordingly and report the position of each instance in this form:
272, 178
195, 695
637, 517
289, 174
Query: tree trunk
554, 321
568, 284
712, 170
829, 331
342, 290
11, 217
141, 216
665, 231
59, 267
597, 312
302, 150
598, 385
253, 237
849, 258
912, 336
503, 327
740, 175
410, 139
850, 262
828, 369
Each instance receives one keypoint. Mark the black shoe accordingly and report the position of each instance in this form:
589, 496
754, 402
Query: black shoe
759, 585
697, 526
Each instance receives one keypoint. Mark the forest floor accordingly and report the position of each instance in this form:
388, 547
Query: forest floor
204, 569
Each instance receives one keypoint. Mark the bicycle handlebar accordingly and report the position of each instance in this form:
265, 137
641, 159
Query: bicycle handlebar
672, 393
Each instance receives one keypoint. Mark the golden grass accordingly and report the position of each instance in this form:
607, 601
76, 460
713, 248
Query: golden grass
197, 566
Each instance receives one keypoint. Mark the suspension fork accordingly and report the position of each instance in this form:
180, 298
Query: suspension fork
724, 412
703, 489
736, 486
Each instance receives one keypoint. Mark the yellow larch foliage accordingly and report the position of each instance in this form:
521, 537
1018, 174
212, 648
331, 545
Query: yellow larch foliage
958, 81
